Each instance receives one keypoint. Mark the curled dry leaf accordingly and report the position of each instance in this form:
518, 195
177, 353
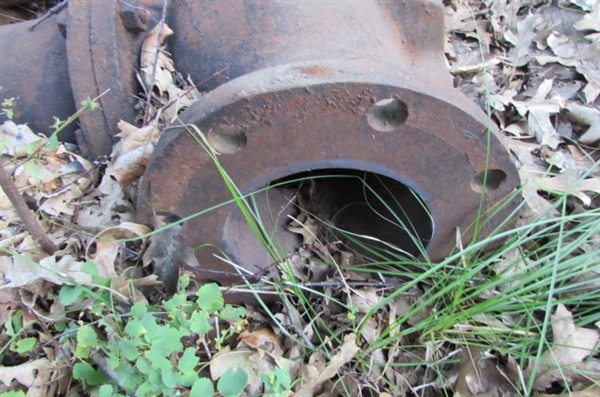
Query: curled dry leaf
108, 245
133, 152
33, 374
169, 254
347, 352
19, 271
571, 345
482, 374
587, 116
15, 139
264, 340
151, 53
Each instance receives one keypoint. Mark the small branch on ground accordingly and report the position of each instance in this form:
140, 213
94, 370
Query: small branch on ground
31, 223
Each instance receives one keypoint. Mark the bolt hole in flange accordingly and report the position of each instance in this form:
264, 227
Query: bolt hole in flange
492, 181
368, 212
226, 139
387, 115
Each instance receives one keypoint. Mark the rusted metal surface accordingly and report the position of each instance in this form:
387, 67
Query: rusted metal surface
333, 87
93, 48
34, 70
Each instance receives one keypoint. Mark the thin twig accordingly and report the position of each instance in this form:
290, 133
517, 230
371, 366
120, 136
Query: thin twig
54, 10
31, 223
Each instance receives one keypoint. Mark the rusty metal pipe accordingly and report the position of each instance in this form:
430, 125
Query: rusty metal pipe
325, 88
342, 89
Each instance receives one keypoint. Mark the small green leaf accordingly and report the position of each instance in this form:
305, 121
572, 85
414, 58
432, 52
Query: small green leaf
169, 378
90, 268
129, 378
210, 297
232, 382
153, 331
139, 310
25, 345
58, 123
129, 348
157, 359
86, 336
188, 379
199, 323
188, 360
70, 294
33, 169
232, 314
89, 103
134, 329
31, 147
82, 370
143, 365
145, 389
105, 391
203, 387
52, 142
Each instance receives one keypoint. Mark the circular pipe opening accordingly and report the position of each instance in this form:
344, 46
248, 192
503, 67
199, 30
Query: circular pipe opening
365, 211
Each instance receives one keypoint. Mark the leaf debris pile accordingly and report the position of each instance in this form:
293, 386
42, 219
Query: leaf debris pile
351, 330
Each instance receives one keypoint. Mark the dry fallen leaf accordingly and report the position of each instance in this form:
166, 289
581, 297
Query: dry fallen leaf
570, 345
19, 270
33, 374
347, 352
108, 245
589, 116
15, 139
241, 357
480, 374
264, 340
132, 154
169, 254
151, 53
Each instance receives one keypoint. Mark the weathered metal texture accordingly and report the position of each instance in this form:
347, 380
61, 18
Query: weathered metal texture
92, 47
104, 42
335, 87
34, 71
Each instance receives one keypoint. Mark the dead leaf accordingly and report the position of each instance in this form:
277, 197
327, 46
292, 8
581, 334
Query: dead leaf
241, 357
151, 52
590, 21
305, 226
365, 299
540, 126
108, 245
481, 373
347, 352
168, 254
19, 270
264, 340
589, 116
570, 345
133, 153
33, 374
570, 182
15, 139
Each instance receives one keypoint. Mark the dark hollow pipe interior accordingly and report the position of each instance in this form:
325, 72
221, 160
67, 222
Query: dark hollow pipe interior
357, 208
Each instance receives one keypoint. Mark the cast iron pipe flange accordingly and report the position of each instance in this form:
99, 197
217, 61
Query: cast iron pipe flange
330, 88
88, 49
